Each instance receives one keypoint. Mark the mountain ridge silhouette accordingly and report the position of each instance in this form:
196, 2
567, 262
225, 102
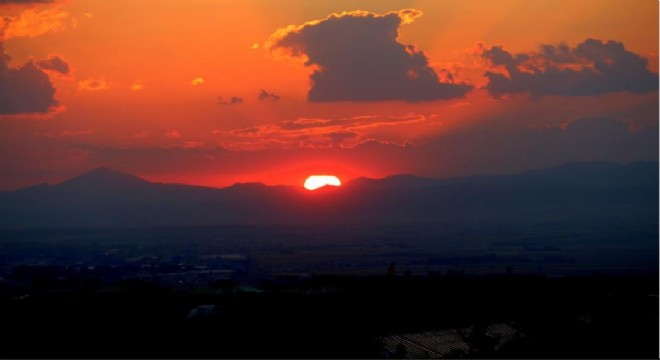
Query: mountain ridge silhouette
104, 197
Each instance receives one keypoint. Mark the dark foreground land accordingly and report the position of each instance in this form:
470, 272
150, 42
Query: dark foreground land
554, 263
455, 316
582, 289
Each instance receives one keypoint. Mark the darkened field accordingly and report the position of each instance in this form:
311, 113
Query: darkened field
561, 248
331, 317
546, 290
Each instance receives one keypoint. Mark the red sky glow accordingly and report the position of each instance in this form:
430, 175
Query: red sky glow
214, 92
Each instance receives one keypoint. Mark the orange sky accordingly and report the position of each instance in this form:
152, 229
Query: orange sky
170, 90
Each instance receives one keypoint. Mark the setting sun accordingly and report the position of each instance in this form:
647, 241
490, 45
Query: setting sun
317, 181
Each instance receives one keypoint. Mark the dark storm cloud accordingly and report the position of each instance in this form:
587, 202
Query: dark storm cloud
234, 100
24, 89
356, 57
593, 67
265, 95
54, 63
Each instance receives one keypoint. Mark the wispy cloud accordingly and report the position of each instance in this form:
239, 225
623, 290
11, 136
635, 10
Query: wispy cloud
306, 132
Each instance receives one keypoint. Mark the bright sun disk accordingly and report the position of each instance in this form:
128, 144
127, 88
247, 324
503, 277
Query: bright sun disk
317, 181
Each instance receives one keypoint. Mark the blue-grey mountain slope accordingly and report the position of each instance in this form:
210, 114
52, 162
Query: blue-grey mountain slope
108, 198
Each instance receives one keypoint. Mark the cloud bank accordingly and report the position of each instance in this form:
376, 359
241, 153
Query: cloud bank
25, 89
591, 68
356, 57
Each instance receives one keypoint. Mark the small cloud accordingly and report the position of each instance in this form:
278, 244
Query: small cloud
234, 100
254, 46
265, 95
92, 85
137, 87
54, 63
172, 134
197, 81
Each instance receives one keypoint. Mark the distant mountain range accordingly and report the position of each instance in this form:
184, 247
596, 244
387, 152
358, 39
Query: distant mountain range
107, 198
